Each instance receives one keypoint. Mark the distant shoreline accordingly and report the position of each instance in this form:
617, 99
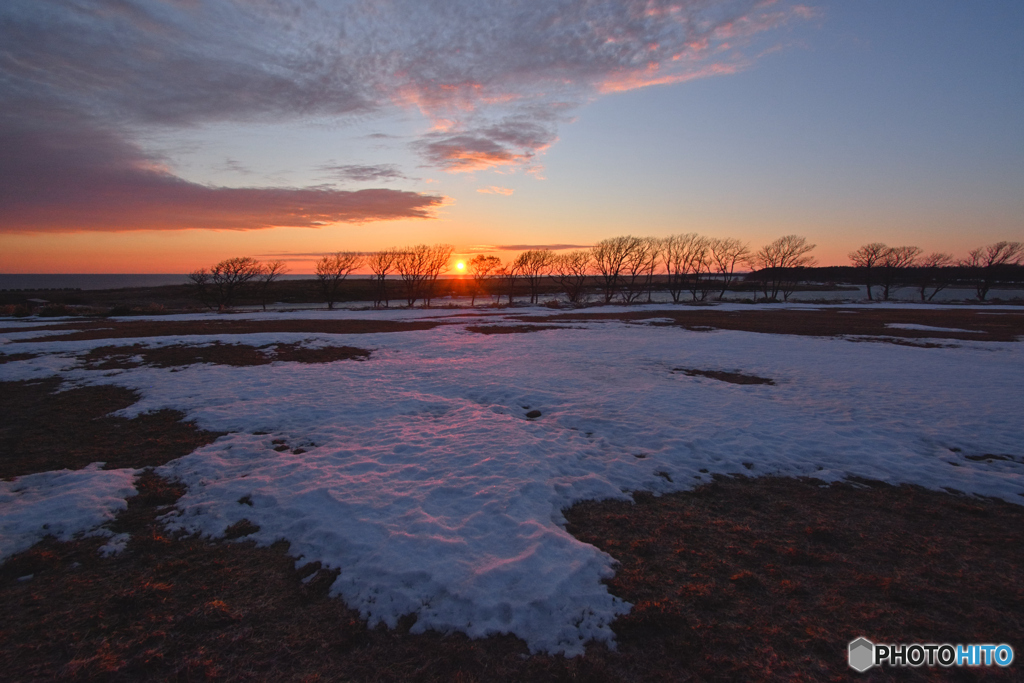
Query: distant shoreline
97, 281
89, 281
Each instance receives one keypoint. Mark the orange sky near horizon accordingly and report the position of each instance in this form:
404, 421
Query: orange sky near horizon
153, 252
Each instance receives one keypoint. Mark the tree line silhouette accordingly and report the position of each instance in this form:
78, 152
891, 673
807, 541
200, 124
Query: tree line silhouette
891, 267
625, 269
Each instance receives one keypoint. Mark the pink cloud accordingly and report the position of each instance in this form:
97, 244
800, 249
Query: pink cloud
654, 76
59, 178
513, 141
494, 189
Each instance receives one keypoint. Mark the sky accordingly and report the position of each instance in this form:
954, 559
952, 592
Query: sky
161, 136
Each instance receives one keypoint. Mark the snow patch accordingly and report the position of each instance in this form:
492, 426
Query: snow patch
63, 504
115, 546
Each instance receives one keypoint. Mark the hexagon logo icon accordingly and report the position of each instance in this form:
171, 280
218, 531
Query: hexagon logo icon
862, 655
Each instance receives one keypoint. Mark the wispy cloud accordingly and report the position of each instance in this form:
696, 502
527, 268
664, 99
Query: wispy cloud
514, 141
485, 248
187, 62
363, 173
234, 166
552, 247
494, 189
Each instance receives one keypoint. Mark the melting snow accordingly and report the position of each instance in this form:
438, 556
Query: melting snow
64, 504
423, 481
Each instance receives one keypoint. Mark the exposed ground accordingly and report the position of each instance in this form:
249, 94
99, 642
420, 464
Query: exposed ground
981, 325
722, 376
854, 323
78, 330
43, 429
177, 355
742, 579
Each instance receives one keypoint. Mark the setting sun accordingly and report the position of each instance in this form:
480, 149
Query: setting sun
460, 266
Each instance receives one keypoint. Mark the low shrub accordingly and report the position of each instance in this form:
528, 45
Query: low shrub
55, 311
148, 309
15, 310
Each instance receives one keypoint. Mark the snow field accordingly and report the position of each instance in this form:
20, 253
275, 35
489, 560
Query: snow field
426, 485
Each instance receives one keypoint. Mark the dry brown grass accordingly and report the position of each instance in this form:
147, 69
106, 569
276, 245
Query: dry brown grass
984, 325
126, 329
722, 376
770, 578
42, 429
110, 357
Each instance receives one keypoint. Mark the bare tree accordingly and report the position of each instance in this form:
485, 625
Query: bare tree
438, 261
868, 257
700, 282
726, 254
675, 252
200, 281
985, 264
412, 264
223, 282
268, 272
419, 268
507, 275
779, 262
686, 262
638, 268
381, 263
933, 271
895, 262
534, 265
482, 269
609, 257
332, 269
570, 271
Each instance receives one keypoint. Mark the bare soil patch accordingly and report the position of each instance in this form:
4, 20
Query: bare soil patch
42, 429
743, 579
830, 322
770, 578
125, 329
991, 457
295, 353
722, 376
904, 342
111, 357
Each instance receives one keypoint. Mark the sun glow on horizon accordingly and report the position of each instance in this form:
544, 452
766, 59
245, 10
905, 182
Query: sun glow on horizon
460, 266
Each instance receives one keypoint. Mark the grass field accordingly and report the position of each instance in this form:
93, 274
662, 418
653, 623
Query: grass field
754, 555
